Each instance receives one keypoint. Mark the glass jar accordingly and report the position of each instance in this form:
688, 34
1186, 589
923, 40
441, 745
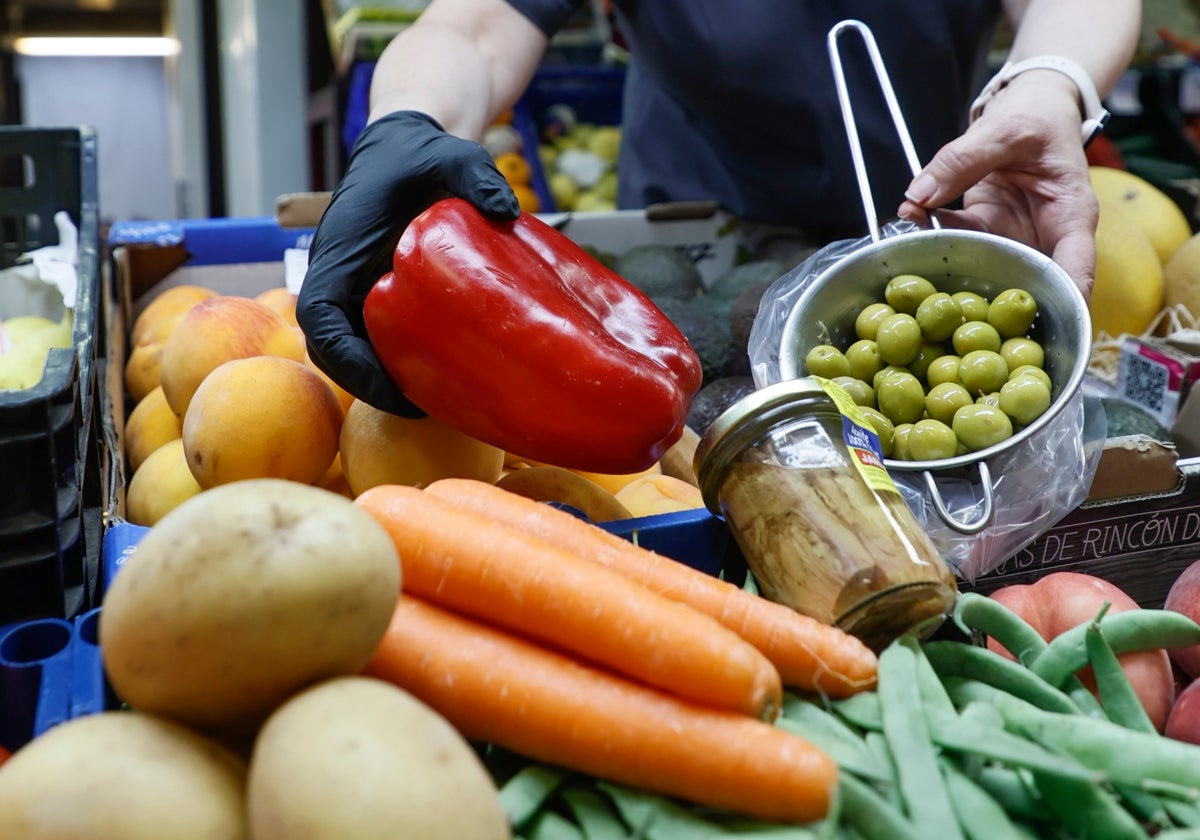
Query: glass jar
796, 471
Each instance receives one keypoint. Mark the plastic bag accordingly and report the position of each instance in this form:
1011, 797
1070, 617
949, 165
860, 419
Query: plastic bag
1034, 483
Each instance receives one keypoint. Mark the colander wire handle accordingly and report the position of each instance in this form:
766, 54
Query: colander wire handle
860, 168
970, 526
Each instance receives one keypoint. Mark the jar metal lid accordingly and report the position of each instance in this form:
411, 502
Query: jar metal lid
744, 422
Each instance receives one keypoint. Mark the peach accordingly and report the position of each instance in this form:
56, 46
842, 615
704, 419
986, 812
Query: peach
652, 494
151, 424
281, 300
1183, 724
334, 479
261, 417
1184, 597
218, 330
381, 448
161, 484
154, 324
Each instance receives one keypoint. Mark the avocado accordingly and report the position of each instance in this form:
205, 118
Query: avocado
718, 395
706, 332
741, 319
741, 277
660, 271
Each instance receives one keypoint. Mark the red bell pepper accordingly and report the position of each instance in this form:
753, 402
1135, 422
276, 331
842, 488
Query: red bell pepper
515, 335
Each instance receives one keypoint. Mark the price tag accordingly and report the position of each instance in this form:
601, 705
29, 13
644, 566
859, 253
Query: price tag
295, 266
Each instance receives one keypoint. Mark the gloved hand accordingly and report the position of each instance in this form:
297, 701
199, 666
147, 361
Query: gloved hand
401, 164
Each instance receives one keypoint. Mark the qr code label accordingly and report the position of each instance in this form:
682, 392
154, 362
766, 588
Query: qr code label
1146, 383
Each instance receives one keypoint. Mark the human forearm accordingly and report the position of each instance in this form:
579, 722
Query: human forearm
463, 62
1098, 35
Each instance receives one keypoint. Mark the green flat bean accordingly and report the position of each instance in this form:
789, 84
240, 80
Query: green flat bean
523, 795
871, 815
1120, 701
1181, 813
907, 733
856, 758
981, 816
1132, 630
978, 663
979, 614
1088, 810
596, 816
861, 710
934, 698
1124, 755
877, 744
1014, 789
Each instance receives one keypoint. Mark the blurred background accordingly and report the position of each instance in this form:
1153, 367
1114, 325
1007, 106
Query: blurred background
209, 108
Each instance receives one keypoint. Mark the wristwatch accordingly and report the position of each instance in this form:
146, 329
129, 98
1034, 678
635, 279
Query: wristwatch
1094, 113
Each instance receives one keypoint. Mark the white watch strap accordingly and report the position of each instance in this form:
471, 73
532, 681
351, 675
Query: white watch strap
1094, 113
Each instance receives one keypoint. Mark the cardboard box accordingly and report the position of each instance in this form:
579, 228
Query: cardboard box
1139, 542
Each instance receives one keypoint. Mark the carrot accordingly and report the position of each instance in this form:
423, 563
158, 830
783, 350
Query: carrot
499, 688
809, 654
483, 568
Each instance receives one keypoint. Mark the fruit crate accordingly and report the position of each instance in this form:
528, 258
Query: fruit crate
50, 511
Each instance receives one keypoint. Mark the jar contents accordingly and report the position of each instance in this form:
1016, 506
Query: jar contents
796, 471
824, 543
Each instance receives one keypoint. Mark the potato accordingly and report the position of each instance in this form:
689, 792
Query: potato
241, 596
122, 776
359, 757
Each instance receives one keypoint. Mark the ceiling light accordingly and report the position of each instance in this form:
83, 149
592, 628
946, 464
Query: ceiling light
95, 46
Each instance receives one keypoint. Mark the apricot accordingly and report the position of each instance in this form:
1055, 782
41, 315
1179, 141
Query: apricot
380, 448
261, 417
143, 371
614, 483
151, 424
281, 300
344, 397
218, 330
161, 484
154, 324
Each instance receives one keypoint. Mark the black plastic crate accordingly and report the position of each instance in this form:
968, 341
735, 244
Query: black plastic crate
50, 495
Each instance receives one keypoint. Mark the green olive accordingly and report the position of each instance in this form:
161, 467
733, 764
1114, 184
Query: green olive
859, 391
919, 366
827, 361
885, 372
898, 339
974, 306
1030, 370
980, 426
943, 400
939, 316
932, 440
867, 322
942, 369
1012, 312
904, 292
901, 398
883, 428
900, 433
982, 371
1022, 351
1024, 399
975, 335
864, 360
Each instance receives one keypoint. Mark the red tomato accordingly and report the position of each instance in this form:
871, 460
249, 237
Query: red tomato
1062, 600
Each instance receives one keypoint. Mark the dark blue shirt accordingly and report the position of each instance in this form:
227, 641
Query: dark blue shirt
735, 100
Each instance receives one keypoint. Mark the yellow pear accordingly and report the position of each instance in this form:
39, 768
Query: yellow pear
1148, 207
1128, 294
1182, 278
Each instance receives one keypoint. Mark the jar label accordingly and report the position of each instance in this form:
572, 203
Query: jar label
861, 438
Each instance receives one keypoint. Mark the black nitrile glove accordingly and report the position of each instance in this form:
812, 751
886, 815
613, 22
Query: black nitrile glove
401, 164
